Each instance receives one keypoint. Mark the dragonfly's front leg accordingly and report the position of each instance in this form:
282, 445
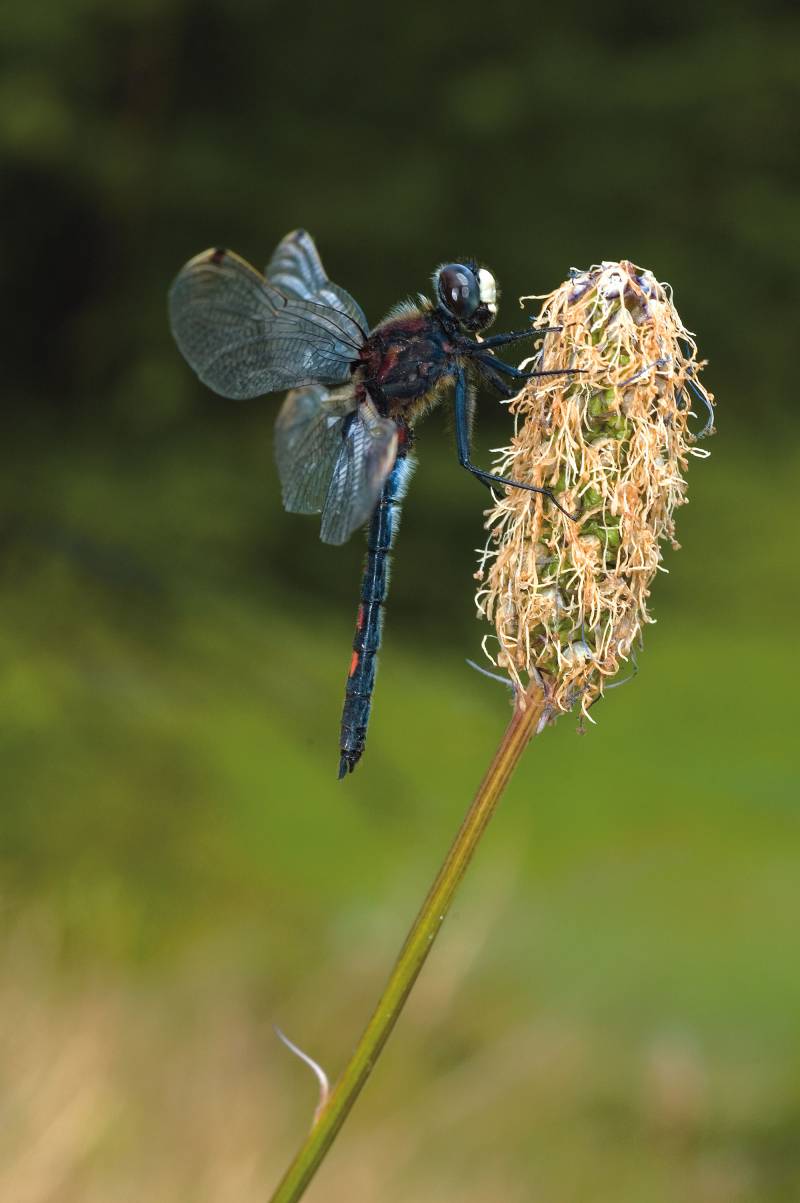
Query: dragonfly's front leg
502, 340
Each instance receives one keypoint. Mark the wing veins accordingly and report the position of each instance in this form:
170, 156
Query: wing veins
314, 307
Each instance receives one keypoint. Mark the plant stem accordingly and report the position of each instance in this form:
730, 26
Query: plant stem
521, 728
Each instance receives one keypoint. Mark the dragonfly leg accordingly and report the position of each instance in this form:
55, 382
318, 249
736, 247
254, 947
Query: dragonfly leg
709, 426
516, 373
491, 368
487, 366
463, 446
501, 340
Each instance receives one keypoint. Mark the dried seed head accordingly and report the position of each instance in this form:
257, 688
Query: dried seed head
568, 599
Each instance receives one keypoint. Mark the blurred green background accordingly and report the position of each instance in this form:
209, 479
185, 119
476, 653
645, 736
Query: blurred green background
612, 1010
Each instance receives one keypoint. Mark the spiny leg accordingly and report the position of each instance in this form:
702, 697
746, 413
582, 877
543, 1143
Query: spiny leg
491, 361
463, 446
501, 340
490, 369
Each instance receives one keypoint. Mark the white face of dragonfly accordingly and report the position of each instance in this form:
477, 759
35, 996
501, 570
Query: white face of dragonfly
488, 289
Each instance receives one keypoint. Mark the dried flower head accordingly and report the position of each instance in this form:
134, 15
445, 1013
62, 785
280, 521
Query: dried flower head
568, 597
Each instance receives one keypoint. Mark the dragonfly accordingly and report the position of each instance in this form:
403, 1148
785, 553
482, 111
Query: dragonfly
344, 435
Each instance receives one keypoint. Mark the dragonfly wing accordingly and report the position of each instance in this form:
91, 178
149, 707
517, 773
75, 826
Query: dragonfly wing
244, 336
366, 457
308, 438
296, 269
296, 266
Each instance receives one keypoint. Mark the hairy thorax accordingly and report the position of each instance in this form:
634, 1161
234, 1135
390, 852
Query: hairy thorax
406, 361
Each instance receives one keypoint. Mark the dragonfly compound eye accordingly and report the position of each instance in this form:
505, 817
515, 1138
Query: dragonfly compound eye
459, 290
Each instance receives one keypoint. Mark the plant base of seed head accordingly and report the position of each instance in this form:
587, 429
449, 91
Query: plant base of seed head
569, 599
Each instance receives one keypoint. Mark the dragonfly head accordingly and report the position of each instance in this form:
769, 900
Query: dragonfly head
467, 293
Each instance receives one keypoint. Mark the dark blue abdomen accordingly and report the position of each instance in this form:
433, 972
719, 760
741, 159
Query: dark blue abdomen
361, 676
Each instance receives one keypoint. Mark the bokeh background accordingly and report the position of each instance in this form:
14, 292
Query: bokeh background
612, 1010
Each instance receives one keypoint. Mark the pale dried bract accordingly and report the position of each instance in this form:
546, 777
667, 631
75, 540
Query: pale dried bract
568, 598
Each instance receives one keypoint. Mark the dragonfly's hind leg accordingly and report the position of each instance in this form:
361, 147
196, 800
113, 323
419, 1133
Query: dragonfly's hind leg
463, 446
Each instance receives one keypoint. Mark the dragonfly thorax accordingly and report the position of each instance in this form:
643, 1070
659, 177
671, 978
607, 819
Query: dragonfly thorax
406, 361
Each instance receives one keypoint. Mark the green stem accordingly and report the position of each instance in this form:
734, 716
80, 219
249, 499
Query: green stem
412, 957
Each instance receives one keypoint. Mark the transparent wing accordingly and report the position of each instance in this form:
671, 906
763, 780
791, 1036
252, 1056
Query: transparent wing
366, 457
244, 336
308, 438
296, 269
333, 457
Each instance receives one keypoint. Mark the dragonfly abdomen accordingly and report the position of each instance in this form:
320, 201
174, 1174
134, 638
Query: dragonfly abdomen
369, 622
